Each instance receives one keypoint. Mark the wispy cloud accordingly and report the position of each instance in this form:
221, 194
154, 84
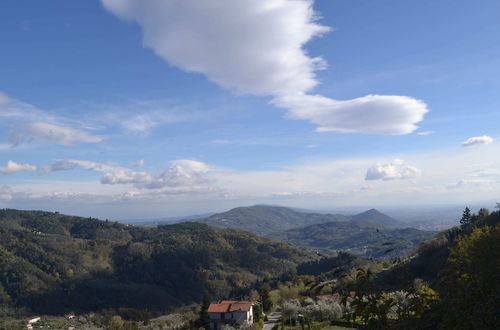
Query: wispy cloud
28, 124
477, 140
139, 163
139, 118
180, 173
13, 167
51, 133
263, 54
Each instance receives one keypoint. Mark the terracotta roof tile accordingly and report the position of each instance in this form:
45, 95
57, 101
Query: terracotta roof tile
243, 306
218, 308
226, 306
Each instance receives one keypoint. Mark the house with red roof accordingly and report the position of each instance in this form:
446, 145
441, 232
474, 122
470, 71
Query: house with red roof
232, 312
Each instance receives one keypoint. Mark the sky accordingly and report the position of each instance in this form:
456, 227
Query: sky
126, 109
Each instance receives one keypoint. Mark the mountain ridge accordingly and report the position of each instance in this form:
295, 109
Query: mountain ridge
266, 219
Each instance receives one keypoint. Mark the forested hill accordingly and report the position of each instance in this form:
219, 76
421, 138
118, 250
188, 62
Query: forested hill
377, 217
263, 220
463, 265
53, 263
361, 238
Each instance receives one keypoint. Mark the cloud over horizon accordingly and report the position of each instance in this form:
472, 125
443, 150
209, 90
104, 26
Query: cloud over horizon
256, 47
396, 170
180, 173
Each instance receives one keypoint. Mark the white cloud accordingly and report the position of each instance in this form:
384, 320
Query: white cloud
147, 120
111, 174
256, 47
250, 46
487, 172
447, 177
15, 110
425, 133
473, 183
51, 133
140, 163
396, 170
477, 140
60, 165
181, 173
13, 167
372, 114
27, 123
6, 192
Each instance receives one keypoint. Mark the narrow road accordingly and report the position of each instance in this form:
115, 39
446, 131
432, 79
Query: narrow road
272, 321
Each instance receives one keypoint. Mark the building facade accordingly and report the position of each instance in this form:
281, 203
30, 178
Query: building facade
232, 312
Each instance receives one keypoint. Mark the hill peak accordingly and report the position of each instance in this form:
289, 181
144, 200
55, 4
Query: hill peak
372, 212
375, 216
265, 219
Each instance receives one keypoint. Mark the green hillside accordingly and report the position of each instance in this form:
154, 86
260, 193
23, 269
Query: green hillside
452, 281
263, 219
361, 238
53, 263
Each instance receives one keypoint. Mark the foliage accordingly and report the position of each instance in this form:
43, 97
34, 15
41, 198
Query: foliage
289, 310
258, 314
472, 280
54, 263
323, 310
267, 303
359, 238
203, 317
466, 217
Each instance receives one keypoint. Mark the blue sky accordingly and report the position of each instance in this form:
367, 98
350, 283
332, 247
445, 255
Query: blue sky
127, 108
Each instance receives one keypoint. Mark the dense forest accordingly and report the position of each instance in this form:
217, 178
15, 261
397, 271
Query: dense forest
52, 263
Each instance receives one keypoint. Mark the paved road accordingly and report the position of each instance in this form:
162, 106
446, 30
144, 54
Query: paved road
272, 321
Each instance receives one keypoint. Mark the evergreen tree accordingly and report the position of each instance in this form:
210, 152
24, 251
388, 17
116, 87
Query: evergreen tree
257, 311
204, 310
267, 304
466, 217
483, 213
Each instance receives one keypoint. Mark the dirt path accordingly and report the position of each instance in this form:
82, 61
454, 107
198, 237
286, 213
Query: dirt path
272, 321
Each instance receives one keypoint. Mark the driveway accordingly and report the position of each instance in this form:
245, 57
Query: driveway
272, 321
